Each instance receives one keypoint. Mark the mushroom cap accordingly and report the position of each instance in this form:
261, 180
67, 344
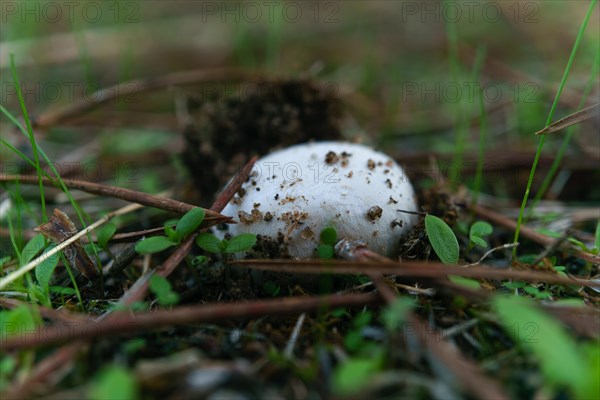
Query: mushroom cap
294, 193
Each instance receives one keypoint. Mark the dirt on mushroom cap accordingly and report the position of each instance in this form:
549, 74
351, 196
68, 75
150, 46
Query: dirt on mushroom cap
307, 187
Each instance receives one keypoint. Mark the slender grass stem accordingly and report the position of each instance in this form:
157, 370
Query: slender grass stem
36, 157
477, 66
567, 139
18, 152
549, 121
56, 176
480, 156
459, 125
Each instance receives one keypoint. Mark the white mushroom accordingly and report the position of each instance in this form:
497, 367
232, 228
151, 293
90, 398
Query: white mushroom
294, 193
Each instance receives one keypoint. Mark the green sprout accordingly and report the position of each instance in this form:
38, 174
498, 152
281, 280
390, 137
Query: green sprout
237, 244
183, 227
328, 239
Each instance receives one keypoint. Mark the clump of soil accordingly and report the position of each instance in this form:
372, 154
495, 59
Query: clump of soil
228, 131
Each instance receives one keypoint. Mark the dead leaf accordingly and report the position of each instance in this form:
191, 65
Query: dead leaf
60, 228
575, 118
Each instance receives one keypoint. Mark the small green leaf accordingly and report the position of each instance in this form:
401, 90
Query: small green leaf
340, 312
532, 290
104, 234
442, 239
4, 260
478, 241
163, 291
172, 235
329, 236
199, 260
395, 314
528, 258
479, 230
154, 244
353, 341
92, 248
114, 382
32, 248
239, 243
466, 282
354, 374
571, 302
514, 285
44, 271
362, 319
325, 251
171, 222
67, 291
7, 366
271, 288
190, 222
134, 345
22, 319
548, 232
561, 361
578, 243
209, 242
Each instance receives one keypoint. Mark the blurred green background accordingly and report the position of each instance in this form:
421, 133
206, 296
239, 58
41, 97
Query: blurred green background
409, 72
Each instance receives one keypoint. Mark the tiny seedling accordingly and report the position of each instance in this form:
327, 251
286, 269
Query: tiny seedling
237, 244
367, 357
104, 233
18, 321
44, 270
480, 230
354, 373
184, 226
114, 382
328, 238
354, 340
466, 282
528, 289
395, 314
163, 291
199, 260
271, 288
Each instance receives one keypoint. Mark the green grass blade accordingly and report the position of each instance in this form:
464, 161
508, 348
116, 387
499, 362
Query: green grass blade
549, 121
567, 139
39, 151
36, 157
477, 66
18, 152
459, 124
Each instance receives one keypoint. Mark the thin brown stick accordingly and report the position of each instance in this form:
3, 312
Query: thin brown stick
124, 323
529, 233
233, 186
132, 236
132, 196
409, 270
